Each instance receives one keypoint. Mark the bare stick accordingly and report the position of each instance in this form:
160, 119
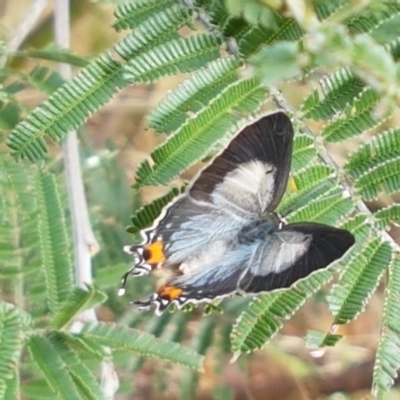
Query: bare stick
85, 244
23, 29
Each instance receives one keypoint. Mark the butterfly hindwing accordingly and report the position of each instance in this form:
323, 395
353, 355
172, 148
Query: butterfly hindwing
292, 253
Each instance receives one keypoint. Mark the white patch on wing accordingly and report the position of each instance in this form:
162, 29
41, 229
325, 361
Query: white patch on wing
209, 256
287, 248
249, 187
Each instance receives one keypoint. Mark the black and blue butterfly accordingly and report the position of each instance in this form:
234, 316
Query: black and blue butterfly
221, 236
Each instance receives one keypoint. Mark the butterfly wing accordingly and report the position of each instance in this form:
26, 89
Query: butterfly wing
246, 179
251, 173
270, 259
292, 253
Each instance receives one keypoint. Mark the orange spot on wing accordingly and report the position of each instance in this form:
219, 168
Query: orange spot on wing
154, 253
171, 292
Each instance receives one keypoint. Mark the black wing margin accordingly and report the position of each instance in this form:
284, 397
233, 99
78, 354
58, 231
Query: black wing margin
268, 140
325, 245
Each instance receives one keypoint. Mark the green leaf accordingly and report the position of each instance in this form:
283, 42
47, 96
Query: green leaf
388, 352
254, 328
303, 151
337, 92
145, 216
251, 39
388, 215
80, 373
78, 300
383, 177
12, 387
106, 277
84, 345
373, 16
192, 141
66, 108
311, 183
55, 247
131, 14
276, 62
359, 280
53, 53
124, 338
328, 209
184, 54
356, 119
42, 78
52, 367
193, 94
12, 333
318, 339
157, 29
382, 147
360, 227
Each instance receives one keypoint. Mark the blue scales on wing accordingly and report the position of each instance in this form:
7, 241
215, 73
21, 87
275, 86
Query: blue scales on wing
220, 238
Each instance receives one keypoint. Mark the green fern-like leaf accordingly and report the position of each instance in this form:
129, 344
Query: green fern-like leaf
131, 14
359, 280
13, 328
303, 151
311, 183
382, 148
324, 9
55, 247
357, 118
78, 300
184, 54
52, 367
124, 338
191, 142
373, 16
193, 94
286, 29
388, 215
84, 345
329, 209
383, 177
80, 373
320, 339
388, 352
66, 108
12, 387
9, 115
360, 227
144, 217
158, 28
337, 91
255, 327
42, 78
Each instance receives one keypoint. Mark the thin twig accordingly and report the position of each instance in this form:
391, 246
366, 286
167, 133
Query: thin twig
85, 244
23, 29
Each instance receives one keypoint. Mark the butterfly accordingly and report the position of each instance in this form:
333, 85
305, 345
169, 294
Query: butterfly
221, 236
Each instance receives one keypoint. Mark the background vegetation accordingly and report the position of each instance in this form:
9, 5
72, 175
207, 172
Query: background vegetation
332, 65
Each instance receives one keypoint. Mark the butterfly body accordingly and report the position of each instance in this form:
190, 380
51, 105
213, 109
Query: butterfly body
221, 236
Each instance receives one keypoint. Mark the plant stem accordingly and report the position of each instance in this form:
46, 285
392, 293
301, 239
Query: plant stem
23, 29
85, 244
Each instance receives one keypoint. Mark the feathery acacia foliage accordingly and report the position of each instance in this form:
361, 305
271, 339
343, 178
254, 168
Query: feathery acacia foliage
220, 91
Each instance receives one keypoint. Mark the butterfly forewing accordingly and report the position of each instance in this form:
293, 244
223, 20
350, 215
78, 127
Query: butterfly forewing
252, 172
